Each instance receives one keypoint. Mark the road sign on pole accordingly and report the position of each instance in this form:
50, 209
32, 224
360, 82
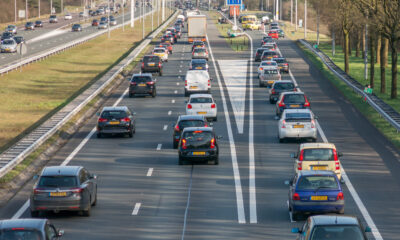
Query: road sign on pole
233, 2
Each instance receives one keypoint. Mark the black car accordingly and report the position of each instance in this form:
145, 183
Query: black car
142, 84
19, 39
185, 121
279, 87
116, 120
198, 44
283, 65
38, 23
64, 188
76, 28
7, 35
198, 64
198, 144
291, 100
152, 63
267, 39
28, 228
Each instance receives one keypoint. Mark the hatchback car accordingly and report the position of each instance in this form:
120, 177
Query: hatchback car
202, 104
142, 84
198, 44
8, 46
259, 53
313, 192
38, 23
269, 55
19, 39
269, 64
162, 53
198, 64
76, 28
185, 121
289, 100
198, 144
116, 120
67, 16
152, 63
167, 46
269, 76
273, 34
283, 65
95, 23
281, 33
200, 53
53, 19
113, 21
270, 46
267, 39
317, 156
11, 29
70, 188
297, 124
102, 25
29, 26
324, 227
28, 229
279, 87
7, 35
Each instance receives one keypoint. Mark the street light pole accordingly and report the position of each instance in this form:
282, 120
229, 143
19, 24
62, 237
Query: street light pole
305, 19
108, 21
152, 15
132, 13
158, 12
26, 9
15, 8
291, 12
39, 8
51, 6
123, 15
143, 10
296, 15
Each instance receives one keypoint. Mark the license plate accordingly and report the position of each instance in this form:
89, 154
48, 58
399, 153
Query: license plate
199, 68
114, 122
193, 87
270, 82
198, 153
298, 126
201, 112
151, 64
315, 168
58, 194
319, 198
295, 105
142, 85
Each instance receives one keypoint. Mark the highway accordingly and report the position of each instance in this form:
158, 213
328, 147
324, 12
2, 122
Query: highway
144, 194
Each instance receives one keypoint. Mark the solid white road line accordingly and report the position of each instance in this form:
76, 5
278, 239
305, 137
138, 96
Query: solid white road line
169, 112
236, 174
149, 172
165, 127
136, 209
159, 147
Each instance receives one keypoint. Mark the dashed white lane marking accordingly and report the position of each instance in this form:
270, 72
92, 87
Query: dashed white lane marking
149, 172
177, 84
173, 101
169, 112
159, 147
165, 127
180, 70
136, 209
176, 91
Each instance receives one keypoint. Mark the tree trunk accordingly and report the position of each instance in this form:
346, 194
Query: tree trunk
358, 44
393, 48
346, 51
350, 42
372, 61
378, 49
383, 60
363, 40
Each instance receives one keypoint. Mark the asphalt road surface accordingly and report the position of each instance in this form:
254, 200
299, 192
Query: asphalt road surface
144, 194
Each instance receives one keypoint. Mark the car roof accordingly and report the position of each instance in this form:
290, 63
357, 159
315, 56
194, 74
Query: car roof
118, 108
142, 75
61, 170
317, 145
283, 81
191, 117
205, 95
192, 129
290, 93
316, 172
334, 220
197, 73
151, 56
159, 48
199, 60
23, 223
267, 61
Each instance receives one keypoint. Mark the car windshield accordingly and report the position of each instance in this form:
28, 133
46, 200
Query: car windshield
317, 182
57, 181
337, 232
320, 154
294, 98
297, 116
11, 26
38, 22
201, 100
198, 137
77, 25
113, 114
283, 86
141, 79
8, 42
198, 64
270, 71
21, 234
190, 123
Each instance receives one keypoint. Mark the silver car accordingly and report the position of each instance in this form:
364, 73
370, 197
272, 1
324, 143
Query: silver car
297, 124
29, 228
58, 188
113, 21
102, 25
8, 46
12, 29
268, 76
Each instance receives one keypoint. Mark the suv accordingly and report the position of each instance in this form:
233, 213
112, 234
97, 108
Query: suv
59, 188
198, 144
152, 63
185, 121
279, 87
317, 156
142, 84
28, 228
116, 120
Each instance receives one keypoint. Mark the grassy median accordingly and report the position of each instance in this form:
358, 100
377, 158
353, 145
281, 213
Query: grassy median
29, 97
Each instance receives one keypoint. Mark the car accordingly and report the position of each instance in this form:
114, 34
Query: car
69, 188
142, 84
317, 156
116, 120
113, 21
102, 25
167, 38
270, 46
81, 14
251, 26
267, 39
222, 20
29, 228
8, 46
197, 81
198, 64
167, 46
198, 144
104, 19
273, 34
38, 23
279, 87
11, 29
161, 52
281, 33
76, 28
19, 39
95, 23
324, 227
202, 104
269, 55
269, 76
152, 63
200, 53
289, 100
198, 44
53, 19
185, 121
7, 35
283, 65
29, 26
269, 64
274, 24
178, 31
259, 53
67, 16
297, 124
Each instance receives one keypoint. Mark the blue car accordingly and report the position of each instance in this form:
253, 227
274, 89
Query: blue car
315, 192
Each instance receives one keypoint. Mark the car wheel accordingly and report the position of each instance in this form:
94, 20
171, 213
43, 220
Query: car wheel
186, 94
95, 199
99, 135
296, 216
131, 95
130, 134
175, 144
216, 161
281, 140
271, 101
166, 60
35, 214
341, 211
180, 160
160, 73
314, 140
86, 213
154, 94
260, 84
215, 119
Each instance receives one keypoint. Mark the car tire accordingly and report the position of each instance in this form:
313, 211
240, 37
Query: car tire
174, 145
86, 213
130, 134
160, 73
296, 216
215, 119
186, 94
95, 199
99, 135
180, 160
314, 140
131, 95
260, 84
341, 211
154, 94
35, 214
281, 140
271, 101
216, 161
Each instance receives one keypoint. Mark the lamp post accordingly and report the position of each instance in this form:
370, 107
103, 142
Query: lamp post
108, 21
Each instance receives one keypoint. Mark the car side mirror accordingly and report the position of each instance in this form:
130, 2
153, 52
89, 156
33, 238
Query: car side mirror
342, 181
367, 229
296, 230
293, 155
60, 233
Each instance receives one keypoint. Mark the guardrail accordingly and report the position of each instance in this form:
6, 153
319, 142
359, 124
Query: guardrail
384, 109
20, 63
18, 152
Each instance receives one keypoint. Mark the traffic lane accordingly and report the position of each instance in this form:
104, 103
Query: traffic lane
364, 148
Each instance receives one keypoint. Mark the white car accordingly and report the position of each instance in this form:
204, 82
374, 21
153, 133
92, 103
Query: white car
162, 53
68, 16
269, 76
197, 81
266, 65
297, 124
202, 104
8, 46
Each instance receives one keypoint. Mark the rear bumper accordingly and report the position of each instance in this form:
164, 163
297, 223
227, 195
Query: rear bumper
318, 207
151, 69
58, 205
209, 114
187, 155
297, 134
267, 82
197, 90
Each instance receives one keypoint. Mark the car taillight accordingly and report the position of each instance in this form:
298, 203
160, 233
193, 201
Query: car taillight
125, 119
307, 103
159, 64
177, 128
300, 163
102, 120
212, 143
340, 196
189, 106
209, 82
296, 197
281, 104
133, 83
285, 64
312, 123
37, 190
150, 83
301, 157
213, 105
273, 91
260, 68
142, 64
77, 190
183, 145
283, 124
185, 82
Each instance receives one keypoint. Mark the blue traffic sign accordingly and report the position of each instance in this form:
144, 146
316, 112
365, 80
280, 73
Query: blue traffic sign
233, 2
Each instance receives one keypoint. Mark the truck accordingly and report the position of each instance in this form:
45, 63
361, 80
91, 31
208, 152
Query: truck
233, 10
197, 28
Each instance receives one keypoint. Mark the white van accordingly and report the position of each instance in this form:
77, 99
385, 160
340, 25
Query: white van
197, 81
181, 17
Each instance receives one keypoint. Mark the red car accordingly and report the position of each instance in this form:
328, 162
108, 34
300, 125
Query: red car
273, 34
95, 22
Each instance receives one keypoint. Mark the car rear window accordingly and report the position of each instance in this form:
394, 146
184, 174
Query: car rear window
23, 234
320, 154
283, 86
198, 136
151, 59
159, 50
197, 50
8, 42
268, 64
279, 60
113, 114
318, 182
190, 123
297, 116
337, 232
141, 79
294, 98
198, 64
58, 181
201, 100
269, 53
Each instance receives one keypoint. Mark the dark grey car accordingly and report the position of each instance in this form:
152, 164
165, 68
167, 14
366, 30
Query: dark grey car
279, 87
116, 120
142, 84
58, 188
27, 229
